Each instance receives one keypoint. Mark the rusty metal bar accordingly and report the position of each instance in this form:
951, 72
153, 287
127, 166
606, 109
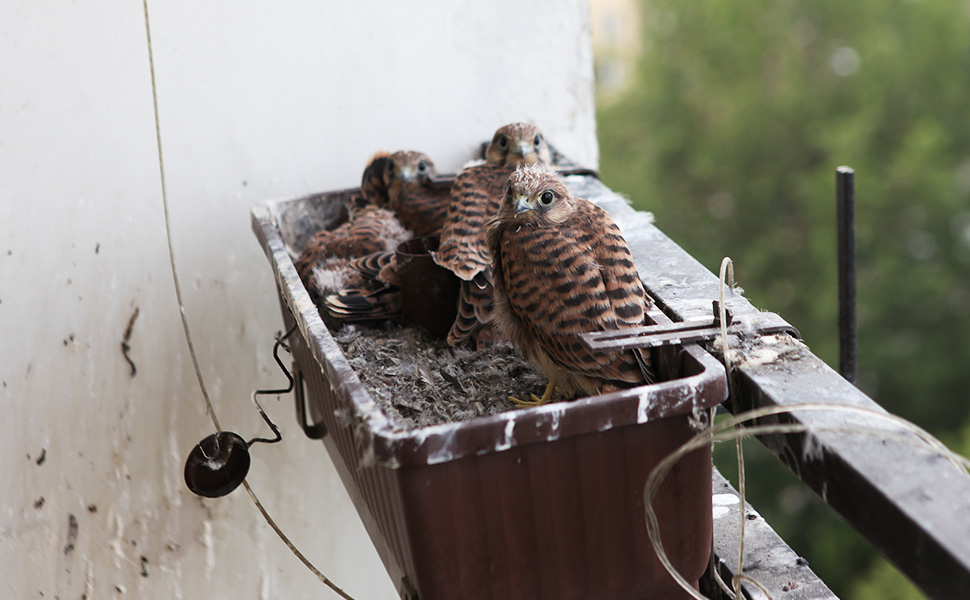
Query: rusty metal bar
848, 325
678, 334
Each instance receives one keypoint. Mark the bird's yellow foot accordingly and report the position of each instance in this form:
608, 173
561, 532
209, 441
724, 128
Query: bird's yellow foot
535, 400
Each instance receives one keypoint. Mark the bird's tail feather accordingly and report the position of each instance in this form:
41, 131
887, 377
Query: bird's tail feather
475, 310
370, 265
362, 305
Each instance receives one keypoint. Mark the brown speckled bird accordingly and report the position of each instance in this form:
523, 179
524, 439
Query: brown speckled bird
561, 268
405, 182
324, 264
475, 198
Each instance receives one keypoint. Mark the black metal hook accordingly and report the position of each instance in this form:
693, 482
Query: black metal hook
219, 463
276, 356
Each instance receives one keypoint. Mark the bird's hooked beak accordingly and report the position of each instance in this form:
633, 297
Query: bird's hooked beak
407, 174
523, 203
524, 148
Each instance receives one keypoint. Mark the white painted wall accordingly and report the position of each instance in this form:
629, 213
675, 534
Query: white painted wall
258, 100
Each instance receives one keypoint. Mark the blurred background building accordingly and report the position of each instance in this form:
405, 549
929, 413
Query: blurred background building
257, 101
617, 38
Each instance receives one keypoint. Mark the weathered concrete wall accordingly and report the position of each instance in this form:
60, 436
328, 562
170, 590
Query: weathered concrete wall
257, 100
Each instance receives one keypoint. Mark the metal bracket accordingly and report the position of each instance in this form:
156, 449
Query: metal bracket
315, 431
685, 332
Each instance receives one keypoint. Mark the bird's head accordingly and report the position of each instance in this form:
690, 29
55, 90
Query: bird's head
536, 195
518, 144
406, 166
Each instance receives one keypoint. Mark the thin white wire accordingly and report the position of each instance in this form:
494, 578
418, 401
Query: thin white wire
168, 229
188, 336
727, 430
731, 429
726, 279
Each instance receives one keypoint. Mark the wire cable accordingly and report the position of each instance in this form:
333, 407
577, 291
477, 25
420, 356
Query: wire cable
188, 335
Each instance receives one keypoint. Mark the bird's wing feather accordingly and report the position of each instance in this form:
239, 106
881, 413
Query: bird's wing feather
475, 308
370, 265
372, 186
475, 198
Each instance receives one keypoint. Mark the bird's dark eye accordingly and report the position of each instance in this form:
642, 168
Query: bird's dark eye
537, 140
546, 198
509, 192
422, 167
502, 142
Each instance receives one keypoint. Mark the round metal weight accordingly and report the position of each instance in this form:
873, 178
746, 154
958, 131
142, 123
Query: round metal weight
217, 465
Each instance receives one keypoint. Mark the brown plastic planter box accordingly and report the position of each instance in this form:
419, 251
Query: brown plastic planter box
538, 503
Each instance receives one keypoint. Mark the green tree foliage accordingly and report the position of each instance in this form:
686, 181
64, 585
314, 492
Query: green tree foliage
884, 582
740, 113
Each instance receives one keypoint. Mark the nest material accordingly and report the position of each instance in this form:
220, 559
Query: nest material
419, 381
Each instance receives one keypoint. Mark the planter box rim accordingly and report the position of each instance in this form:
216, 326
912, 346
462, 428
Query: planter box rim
395, 447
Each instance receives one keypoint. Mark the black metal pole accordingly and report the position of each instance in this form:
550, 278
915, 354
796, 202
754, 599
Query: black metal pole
848, 326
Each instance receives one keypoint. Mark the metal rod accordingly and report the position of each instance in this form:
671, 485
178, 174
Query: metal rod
276, 356
848, 325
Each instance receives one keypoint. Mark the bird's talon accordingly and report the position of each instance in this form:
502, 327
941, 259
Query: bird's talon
535, 400
524, 403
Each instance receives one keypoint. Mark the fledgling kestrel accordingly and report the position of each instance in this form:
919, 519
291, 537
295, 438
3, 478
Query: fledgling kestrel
405, 182
475, 198
368, 229
561, 268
